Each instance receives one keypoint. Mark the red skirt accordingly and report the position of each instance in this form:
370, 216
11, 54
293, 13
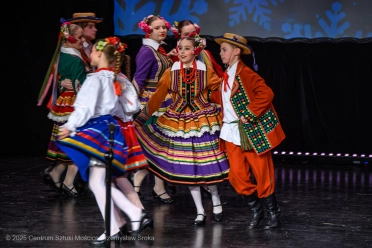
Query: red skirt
63, 106
136, 159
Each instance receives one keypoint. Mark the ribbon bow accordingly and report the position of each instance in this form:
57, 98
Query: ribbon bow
117, 88
162, 51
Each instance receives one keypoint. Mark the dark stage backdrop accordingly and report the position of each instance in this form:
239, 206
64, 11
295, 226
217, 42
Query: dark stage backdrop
322, 86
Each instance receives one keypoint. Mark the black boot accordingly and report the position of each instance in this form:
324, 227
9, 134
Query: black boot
273, 211
256, 207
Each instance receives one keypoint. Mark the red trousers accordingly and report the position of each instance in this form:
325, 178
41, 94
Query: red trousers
242, 162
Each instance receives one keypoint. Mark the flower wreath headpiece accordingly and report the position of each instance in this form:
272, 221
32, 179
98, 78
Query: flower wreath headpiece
66, 34
120, 47
148, 29
175, 32
200, 42
115, 41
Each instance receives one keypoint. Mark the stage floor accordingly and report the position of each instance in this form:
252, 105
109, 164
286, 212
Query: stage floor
322, 206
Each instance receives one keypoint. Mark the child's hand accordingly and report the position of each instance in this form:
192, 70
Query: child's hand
67, 83
172, 53
63, 133
243, 119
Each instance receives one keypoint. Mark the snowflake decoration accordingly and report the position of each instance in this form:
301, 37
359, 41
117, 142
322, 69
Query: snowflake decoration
259, 9
127, 14
334, 29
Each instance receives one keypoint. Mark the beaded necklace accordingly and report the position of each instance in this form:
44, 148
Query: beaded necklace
189, 77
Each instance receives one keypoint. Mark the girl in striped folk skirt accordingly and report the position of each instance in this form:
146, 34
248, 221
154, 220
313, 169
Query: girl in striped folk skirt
181, 145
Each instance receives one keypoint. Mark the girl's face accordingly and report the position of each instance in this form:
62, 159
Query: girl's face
228, 53
79, 37
186, 52
159, 30
95, 56
185, 30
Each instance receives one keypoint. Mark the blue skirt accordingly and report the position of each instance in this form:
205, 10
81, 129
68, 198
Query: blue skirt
92, 140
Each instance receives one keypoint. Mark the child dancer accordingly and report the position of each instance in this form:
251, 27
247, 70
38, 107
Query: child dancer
87, 21
85, 136
151, 62
251, 128
70, 64
180, 30
182, 147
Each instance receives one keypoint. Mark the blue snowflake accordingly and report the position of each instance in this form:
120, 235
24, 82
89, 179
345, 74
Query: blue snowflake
126, 17
127, 14
332, 30
261, 13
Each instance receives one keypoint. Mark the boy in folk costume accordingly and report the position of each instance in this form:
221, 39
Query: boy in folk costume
250, 130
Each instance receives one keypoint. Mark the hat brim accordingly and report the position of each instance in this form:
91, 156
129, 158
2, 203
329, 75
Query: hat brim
85, 19
244, 47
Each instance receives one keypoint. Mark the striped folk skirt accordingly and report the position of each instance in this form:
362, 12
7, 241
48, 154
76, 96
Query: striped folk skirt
92, 140
188, 161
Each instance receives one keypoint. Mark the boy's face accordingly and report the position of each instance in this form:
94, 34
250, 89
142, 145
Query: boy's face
228, 53
90, 32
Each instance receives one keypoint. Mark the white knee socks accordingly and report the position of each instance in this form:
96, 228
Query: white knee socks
215, 199
98, 186
196, 195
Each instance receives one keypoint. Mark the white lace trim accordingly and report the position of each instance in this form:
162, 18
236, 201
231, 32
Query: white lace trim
157, 113
190, 134
58, 118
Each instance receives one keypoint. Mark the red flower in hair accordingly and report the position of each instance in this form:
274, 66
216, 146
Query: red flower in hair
198, 50
192, 34
71, 39
113, 40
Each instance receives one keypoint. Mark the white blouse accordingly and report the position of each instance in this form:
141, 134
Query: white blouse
96, 98
129, 101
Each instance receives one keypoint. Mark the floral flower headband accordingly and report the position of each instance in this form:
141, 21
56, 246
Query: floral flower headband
66, 34
115, 41
175, 29
148, 29
199, 42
